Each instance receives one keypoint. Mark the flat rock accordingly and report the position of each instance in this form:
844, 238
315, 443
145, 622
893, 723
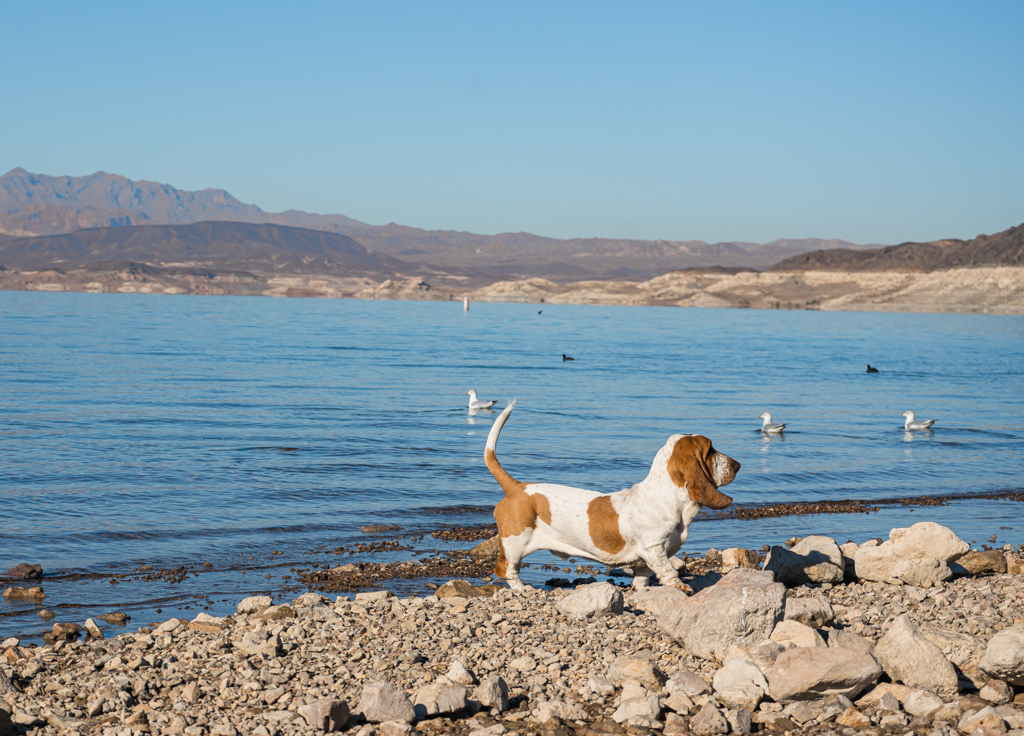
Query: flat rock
687, 683
815, 672
740, 684
372, 596
592, 601
658, 599
908, 657
327, 714
17, 592
648, 707
24, 571
814, 612
963, 650
989, 562
1004, 656
794, 633
381, 701
764, 654
742, 608
548, 709
848, 640
922, 703
378, 528
464, 589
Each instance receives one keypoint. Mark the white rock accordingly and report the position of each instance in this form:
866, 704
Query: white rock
738, 673
923, 540
658, 599
457, 672
548, 709
624, 669
254, 603
908, 657
373, 596
925, 571
922, 703
648, 707
817, 566
168, 626
1004, 656
815, 672
593, 600
440, 696
492, 692
382, 701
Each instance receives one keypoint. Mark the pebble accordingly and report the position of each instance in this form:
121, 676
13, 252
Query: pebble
311, 663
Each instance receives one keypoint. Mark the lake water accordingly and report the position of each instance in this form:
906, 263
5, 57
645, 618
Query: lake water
154, 430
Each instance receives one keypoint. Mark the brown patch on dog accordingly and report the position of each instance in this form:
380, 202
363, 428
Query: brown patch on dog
507, 482
519, 511
603, 524
501, 568
690, 467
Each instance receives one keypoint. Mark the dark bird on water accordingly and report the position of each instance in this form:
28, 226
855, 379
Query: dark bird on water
540, 312
566, 357
872, 370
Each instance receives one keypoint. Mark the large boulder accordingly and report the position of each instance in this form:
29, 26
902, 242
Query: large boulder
908, 657
795, 634
658, 599
923, 540
963, 650
1004, 656
813, 559
991, 561
594, 600
742, 608
815, 672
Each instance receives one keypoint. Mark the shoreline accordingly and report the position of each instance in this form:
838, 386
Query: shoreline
986, 290
618, 669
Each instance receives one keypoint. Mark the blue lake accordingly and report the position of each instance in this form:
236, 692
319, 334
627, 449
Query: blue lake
170, 430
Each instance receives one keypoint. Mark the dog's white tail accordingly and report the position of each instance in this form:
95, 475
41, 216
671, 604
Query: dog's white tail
506, 481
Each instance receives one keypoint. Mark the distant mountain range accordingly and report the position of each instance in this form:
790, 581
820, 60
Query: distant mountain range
99, 216
1001, 249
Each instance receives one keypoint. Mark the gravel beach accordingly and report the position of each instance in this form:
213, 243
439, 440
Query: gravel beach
917, 633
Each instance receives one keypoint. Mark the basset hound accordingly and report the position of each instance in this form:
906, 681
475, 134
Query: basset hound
639, 527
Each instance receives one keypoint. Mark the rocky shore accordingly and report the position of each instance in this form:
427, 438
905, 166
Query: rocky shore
915, 634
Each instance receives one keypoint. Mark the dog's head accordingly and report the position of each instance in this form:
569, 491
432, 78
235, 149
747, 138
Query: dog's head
701, 469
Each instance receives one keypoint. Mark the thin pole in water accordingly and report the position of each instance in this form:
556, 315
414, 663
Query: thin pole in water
465, 304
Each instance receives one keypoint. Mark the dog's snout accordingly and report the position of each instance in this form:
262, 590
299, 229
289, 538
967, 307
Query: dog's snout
734, 465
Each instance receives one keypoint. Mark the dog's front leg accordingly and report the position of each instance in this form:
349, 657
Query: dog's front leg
658, 561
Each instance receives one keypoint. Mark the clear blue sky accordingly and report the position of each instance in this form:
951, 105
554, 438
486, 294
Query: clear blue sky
868, 121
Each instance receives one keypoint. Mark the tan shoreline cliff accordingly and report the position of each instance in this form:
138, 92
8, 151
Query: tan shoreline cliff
995, 290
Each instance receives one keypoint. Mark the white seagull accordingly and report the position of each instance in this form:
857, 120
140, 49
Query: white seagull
475, 403
768, 427
911, 424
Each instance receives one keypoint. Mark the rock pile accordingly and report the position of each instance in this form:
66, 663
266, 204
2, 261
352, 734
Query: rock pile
744, 654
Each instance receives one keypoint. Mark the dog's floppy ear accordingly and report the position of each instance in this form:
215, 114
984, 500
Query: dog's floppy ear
688, 466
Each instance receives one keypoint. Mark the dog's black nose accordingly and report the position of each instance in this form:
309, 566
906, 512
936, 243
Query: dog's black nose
735, 466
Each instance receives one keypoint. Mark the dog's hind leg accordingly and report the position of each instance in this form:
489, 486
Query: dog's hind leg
510, 557
641, 577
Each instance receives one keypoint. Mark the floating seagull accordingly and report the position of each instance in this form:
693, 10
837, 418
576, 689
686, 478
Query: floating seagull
768, 427
475, 403
872, 370
911, 424
566, 357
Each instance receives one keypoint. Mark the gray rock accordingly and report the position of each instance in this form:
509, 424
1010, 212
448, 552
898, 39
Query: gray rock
492, 692
623, 669
92, 629
372, 596
996, 691
440, 696
709, 721
925, 571
739, 684
464, 589
548, 709
817, 566
658, 599
742, 608
814, 612
381, 701
815, 672
487, 549
987, 717
908, 657
254, 604
309, 599
740, 719
594, 600
326, 714
648, 707
763, 655
1004, 656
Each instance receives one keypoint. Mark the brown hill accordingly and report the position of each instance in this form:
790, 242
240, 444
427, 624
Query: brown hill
36, 204
221, 245
1001, 249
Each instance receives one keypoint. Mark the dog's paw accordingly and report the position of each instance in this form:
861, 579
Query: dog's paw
682, 586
